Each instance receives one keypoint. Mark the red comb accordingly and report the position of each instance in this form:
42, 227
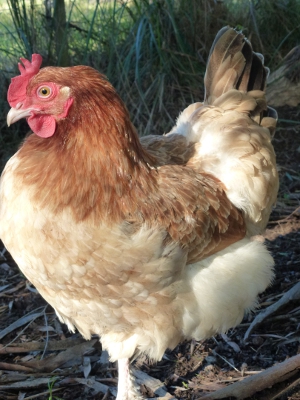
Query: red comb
17, 89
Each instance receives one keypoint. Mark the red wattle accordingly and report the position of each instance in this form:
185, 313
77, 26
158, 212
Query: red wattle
42, 125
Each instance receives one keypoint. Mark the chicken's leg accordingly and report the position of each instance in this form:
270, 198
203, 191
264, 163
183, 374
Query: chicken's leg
126, 387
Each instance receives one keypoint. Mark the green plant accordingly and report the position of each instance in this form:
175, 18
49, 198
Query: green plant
51, 383
185, 385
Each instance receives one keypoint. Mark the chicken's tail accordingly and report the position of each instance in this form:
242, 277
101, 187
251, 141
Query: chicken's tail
232, 64
233, 128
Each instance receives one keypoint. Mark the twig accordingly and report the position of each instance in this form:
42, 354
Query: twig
224, 359
47, 335
285, 219
286, 389
292, 294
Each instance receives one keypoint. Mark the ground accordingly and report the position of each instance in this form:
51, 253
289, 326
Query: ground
40, 359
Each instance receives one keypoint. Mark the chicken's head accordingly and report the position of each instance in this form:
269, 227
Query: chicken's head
43, 103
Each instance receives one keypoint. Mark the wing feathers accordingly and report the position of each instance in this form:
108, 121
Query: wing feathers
208, 221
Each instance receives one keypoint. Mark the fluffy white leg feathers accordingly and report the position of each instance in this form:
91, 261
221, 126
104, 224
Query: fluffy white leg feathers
127, 389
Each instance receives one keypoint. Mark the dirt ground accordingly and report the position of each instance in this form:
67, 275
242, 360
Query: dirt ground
40, 359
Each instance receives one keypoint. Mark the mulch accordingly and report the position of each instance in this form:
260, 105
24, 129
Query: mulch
40, 359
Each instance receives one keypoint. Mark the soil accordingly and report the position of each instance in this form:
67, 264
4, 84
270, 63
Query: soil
193, 368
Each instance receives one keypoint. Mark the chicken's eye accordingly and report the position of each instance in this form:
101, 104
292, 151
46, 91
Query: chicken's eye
44, 91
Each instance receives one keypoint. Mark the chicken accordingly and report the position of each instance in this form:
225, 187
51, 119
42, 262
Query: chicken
144, 242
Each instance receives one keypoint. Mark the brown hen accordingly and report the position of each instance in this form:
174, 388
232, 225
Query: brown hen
144, 242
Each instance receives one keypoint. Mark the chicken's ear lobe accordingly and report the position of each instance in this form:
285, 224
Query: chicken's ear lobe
17, 89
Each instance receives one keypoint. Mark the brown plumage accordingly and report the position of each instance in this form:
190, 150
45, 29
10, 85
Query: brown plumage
143, 242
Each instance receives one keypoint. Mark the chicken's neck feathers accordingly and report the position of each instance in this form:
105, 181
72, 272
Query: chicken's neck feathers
92, 158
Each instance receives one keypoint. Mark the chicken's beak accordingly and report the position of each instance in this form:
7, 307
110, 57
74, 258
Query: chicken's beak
17, 113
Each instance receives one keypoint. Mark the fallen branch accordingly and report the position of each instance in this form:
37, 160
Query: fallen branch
253, 384
292, 294
49, 364
27, 347
15, 367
